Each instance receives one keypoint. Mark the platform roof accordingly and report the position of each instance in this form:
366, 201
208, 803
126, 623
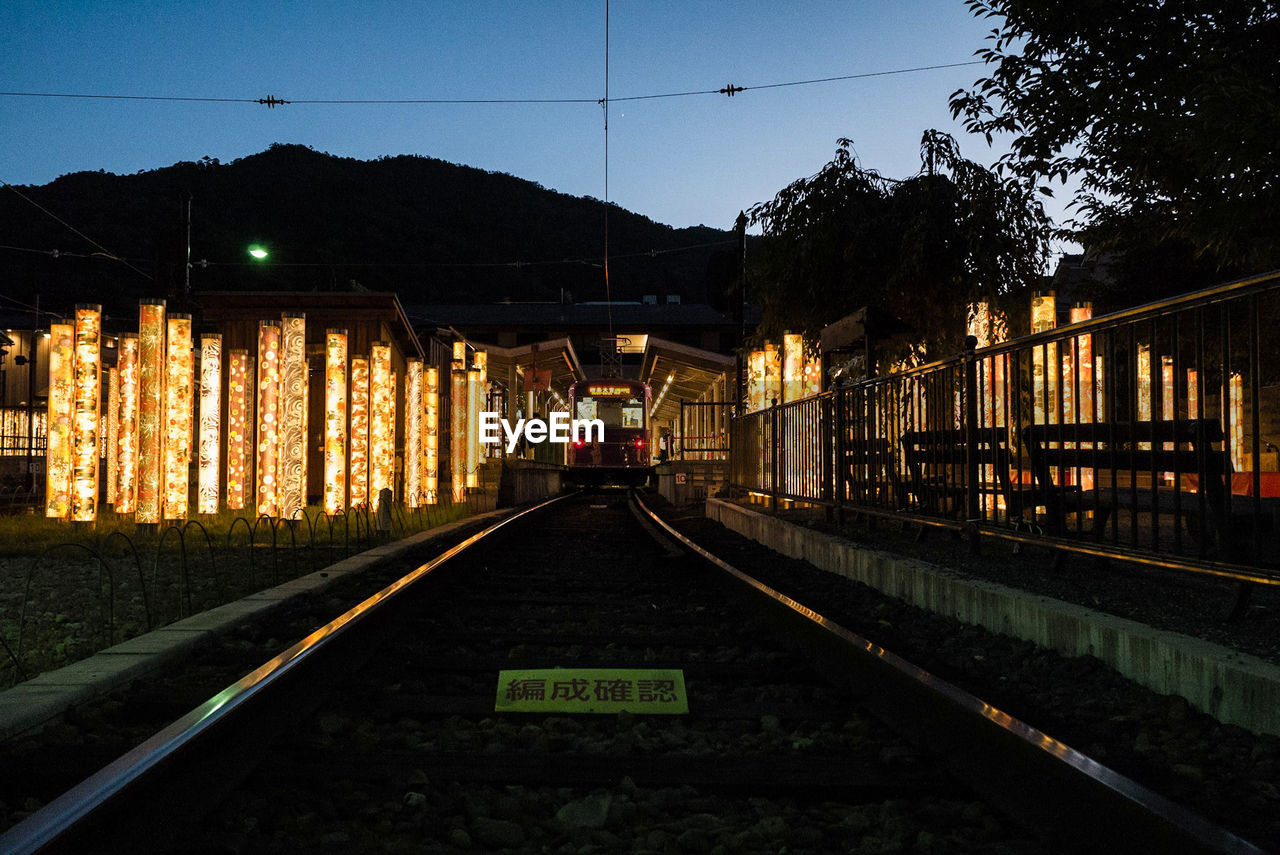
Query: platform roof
690, 369
556, 353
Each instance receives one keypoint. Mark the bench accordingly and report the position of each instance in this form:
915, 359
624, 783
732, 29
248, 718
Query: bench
936, 463
1132, 458
868, 472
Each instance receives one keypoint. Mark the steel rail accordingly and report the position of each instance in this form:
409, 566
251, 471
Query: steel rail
1085, 806
111, 784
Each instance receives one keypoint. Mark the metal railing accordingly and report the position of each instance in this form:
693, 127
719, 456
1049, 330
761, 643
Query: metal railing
1148, 435
702, 430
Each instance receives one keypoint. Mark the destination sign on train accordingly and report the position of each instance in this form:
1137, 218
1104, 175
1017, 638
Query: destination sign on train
592, 690
607, 389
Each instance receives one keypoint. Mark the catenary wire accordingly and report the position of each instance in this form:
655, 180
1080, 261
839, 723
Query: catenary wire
107, 252
271, 100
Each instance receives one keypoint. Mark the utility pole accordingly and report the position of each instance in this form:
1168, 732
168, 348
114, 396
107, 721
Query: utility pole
740, 226
31, 399
186, 267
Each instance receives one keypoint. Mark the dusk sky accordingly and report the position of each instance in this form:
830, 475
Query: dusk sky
680, 161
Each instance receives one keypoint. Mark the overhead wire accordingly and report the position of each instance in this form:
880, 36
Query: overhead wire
515, 265
108, 253
271, 101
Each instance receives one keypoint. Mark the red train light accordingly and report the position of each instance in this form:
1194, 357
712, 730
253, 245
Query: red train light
639, 442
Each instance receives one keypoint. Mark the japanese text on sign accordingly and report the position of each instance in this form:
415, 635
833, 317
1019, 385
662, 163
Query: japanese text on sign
605, 391
592, 690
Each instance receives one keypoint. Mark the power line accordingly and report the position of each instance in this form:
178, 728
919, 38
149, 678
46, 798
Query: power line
271, 101
109, 254
515, 265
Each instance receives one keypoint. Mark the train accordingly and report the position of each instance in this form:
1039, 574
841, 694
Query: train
624, 453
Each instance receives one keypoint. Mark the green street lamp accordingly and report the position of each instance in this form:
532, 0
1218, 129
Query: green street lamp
258, 251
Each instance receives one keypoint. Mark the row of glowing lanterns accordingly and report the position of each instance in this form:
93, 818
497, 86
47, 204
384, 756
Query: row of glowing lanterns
150, 428
1075, 394
777, 375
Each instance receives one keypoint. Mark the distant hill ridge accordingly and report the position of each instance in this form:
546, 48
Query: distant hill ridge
419, 226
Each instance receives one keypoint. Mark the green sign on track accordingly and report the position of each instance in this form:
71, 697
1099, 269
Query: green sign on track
592, 690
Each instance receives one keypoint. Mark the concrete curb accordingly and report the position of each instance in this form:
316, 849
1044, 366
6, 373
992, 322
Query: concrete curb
29, 706
1233, 687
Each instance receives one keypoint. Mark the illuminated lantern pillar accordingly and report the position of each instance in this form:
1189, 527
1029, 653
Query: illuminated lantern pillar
431, 435
113, 432
1044, 316
359, 431
413, 433
1235, 400
458, 430
179, 400
395, 392
1084, 348
481, 362
1166, 388
210, 423
239, 381
772, 374
291, 463
792, 367
755, 381
1144, 383
335, 421
1193, 395
381, 416
127, 436
87, 395
812, 383
58, 455
151, 415
473, 420
268, 500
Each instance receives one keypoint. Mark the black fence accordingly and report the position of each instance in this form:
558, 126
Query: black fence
1149, 434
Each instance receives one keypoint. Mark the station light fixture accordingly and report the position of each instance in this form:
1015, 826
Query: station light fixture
258, 252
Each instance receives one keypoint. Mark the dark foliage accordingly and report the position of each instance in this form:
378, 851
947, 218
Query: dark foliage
919, 249
1168, 112
427, 229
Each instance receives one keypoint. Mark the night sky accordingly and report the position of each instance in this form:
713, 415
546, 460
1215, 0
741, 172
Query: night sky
681, 161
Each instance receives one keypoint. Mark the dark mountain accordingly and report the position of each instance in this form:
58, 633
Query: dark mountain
427, 229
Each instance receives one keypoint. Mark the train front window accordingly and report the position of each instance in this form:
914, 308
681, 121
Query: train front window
614, 412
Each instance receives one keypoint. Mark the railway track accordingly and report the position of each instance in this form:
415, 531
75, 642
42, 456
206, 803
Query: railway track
378, 730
